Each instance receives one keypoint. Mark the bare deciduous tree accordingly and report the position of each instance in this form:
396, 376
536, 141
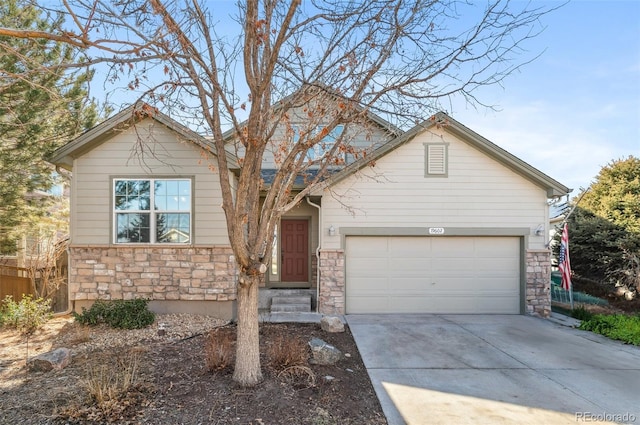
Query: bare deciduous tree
46, 244
251, 70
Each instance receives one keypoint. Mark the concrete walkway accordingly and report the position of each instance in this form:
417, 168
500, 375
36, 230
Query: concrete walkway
486, 369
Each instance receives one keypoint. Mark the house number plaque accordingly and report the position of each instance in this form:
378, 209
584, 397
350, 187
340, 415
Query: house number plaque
436, 230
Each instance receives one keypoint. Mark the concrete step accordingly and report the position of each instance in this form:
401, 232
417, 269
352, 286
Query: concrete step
291, 299
289, 317
290, 308
291, 304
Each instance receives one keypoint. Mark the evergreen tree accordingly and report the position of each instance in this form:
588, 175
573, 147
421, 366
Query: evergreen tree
615, 195
605, 228
42, 105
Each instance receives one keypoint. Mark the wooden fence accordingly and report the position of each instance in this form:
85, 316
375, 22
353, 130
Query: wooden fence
15, 281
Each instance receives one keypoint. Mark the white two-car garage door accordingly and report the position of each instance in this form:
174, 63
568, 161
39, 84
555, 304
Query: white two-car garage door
443, 274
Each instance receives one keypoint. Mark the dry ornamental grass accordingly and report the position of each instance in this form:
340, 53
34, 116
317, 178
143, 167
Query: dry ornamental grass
182, 375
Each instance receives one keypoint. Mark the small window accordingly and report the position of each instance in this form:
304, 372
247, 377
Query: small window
321, 148
436, 160
152, 210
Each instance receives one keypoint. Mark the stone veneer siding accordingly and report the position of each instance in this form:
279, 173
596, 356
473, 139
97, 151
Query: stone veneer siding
537, 298
152, 272
332, 291
538, 272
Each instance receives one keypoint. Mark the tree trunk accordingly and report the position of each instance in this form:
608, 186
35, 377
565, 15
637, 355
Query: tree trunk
247, 369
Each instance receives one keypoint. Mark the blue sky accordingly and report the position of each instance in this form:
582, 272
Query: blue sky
577, 107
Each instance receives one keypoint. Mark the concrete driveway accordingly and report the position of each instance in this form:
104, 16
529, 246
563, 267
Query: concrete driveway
486, 369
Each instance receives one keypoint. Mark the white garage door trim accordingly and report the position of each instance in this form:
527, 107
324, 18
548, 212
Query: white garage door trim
437, 274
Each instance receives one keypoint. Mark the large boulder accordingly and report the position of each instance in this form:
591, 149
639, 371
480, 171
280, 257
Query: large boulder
57, 359
323, 353
331, 324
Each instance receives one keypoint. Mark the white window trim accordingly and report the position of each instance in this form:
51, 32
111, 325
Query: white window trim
274, 267
152, 212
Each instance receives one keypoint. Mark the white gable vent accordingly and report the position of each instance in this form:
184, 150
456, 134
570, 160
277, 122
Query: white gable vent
436, 160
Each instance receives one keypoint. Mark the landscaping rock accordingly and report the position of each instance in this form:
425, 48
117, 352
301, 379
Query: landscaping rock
620, 291
57, 359
323, 353
331, 324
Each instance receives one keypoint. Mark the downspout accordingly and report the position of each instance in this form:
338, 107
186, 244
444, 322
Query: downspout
317, 253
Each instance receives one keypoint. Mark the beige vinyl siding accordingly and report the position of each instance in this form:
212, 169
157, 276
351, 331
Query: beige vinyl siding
93, 173
477, 192
362, 138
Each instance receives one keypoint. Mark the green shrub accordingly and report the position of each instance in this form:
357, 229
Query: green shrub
581, 313
123, 314
94, 316
615, 326
27, 316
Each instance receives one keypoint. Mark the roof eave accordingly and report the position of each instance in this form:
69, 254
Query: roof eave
554, 189
65, 155
377, 153
65, 162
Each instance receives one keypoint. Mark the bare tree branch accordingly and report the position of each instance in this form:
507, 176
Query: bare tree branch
282, 76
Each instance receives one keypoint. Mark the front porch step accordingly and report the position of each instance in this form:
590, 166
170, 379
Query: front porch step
291, 304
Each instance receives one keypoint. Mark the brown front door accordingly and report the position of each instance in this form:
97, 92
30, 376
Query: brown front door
294, 244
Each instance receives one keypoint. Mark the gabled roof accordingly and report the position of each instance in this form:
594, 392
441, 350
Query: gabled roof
376, 119
442, 120
97, 135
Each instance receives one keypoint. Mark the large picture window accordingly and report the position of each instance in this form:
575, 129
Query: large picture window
152, 210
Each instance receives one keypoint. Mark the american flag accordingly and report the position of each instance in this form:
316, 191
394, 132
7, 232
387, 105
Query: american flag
563, 262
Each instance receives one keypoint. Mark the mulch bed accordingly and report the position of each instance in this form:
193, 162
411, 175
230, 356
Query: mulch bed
176, 387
